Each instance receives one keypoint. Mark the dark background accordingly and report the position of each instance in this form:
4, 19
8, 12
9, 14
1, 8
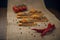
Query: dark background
54, 4
3, 3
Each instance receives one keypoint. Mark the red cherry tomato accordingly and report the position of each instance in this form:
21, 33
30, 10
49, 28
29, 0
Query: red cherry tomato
20, 8
15, 9
24, 8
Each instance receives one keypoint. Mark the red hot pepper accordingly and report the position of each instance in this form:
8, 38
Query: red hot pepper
46, 30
